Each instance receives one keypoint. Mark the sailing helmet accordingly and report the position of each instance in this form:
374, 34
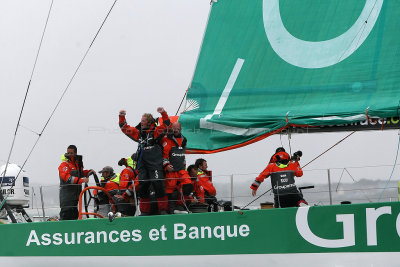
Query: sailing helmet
282, 157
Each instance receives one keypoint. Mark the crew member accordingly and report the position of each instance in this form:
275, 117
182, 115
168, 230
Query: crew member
178, 184
150, 158
130, 185
129, 175
282, 174
273, 158
198, 190
205, 178
72, 175
110, 182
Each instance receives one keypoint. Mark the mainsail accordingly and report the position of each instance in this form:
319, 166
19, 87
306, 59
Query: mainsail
265, 65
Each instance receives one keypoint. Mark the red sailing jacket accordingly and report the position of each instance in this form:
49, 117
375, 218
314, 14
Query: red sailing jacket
65, 169
174, 154
170, 146
273, 168
204, 178
128, 175
198, 191
134, 133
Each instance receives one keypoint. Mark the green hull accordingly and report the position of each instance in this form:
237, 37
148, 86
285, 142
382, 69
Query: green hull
357, 228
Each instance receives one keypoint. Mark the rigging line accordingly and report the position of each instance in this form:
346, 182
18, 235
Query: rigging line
198, 54
65, 90
188, 107
27, 90
183, 98
310, 170
41, 41
340, 180
256, 198
394, 167
290, 144
77, 69
280, 137
351, 176
352, 167
371, 11
22, 167
26, 128
361, 28
354, 180
329, 148
288, 132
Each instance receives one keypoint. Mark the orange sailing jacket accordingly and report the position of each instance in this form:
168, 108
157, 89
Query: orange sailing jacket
292, 168
128, 176
134, 133
65, 169
204, 180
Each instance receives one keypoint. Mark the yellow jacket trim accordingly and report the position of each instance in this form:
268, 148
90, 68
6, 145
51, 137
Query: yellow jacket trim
116, 178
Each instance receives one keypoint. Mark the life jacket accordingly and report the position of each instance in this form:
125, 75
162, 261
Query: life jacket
150, 149
283, 182
146, 137
177, 153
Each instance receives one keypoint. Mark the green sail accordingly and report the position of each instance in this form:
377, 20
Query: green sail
268, 64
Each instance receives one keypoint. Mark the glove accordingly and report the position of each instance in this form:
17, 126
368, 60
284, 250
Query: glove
122, 162
255, 185
297, 155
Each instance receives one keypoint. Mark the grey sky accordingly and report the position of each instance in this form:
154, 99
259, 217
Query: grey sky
143, 58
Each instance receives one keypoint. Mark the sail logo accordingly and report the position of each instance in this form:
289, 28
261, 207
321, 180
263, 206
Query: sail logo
348, 239
306, 54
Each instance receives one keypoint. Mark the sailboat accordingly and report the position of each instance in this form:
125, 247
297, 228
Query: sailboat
261, 69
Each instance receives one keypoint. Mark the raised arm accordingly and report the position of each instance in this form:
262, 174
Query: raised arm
129, 131
166, 122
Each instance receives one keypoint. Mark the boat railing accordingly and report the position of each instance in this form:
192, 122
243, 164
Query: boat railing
333, 186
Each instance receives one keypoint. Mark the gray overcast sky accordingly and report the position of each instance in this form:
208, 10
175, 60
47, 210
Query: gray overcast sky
143, 58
